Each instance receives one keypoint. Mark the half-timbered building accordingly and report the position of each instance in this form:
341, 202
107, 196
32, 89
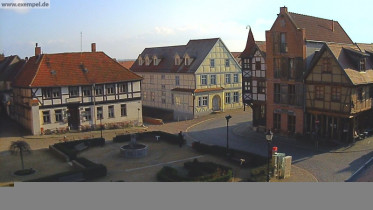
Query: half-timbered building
339, 91
73, 90
253, 79
189, 80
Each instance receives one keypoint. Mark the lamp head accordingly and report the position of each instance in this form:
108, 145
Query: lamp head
269, 135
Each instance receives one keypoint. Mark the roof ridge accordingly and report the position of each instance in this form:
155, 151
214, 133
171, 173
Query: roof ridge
313, 16
37, 71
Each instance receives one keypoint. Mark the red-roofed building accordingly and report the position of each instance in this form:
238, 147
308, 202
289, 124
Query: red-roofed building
75, 91
291, 44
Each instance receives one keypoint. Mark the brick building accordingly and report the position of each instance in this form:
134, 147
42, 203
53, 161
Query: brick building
290, 46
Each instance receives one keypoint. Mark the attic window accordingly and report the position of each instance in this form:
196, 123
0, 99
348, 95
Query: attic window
84, 69
362, 65
326, 65
147, 61
177, 60
156, 60
186, 60
53, 72
141, 61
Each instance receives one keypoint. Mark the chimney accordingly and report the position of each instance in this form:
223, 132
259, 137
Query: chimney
93, 47
283, 10
333, 25
37, 50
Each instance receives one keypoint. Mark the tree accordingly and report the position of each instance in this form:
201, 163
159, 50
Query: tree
21, 147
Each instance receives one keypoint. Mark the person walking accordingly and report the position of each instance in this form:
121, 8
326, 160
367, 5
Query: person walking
181, 139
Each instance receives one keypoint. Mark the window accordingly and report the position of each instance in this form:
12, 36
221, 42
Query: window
177, 100
99, 90
58, 113
177, 80
47, 93
123, 110
163, 93
163, 101
202, 101
291, 94
277, 93
177, 60
336, 94
212, 63
152, 95
163, 87
362, 64
261, 87
111, 111
74, 91
151, 79
236, 98
227, 98
235, 78
246, 63
155, 61
227, 79
258, 65
291, 68
46, 117
123, 88
319, 92
283, 45
147, 61
141, 61
56, 92
204, 79
99, 113
360, 93
277, 121
247, 86
213, 79
291, 123
326, 65
87, 91
110, 89
163, 76
172, 99
88, 115
227, 63
186, 61
277, 67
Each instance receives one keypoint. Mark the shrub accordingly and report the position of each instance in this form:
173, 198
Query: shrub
169, 174
68, 147
122, 138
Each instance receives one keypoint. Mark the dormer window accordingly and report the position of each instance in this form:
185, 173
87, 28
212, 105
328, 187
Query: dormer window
156, 60
141, 61
362, 64
186, 59
147, 61
177, 60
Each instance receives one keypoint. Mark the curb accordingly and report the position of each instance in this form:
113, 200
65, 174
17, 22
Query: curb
359, 170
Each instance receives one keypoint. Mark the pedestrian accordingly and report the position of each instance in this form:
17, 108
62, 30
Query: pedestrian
181, 139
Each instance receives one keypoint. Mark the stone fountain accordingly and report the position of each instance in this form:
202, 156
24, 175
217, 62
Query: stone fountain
134, 149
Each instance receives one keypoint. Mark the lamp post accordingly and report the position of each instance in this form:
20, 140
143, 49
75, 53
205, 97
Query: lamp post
269, 136
100, 114
227, 118
138, 116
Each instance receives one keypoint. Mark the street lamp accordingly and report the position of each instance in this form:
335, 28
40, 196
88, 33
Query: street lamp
138, 116
227, 118
269, 136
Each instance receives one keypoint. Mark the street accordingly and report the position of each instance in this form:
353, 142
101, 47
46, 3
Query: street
328, 165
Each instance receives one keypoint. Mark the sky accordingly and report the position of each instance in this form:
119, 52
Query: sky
123, 29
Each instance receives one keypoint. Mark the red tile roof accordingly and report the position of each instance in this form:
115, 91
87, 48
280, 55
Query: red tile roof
319, 29
127, 64
66, 69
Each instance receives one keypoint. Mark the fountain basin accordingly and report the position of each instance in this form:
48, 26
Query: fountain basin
134, 150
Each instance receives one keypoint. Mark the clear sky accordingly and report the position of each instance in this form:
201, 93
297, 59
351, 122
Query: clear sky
122, 29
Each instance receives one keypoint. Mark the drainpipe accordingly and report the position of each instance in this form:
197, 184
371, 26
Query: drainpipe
94, 103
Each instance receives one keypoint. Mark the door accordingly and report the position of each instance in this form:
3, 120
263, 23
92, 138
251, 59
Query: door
216, 103
73, 116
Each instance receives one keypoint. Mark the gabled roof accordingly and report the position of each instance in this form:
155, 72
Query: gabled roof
9, 67
319, 29
69, 69
252, 46
341, 54
197, 50
127, 64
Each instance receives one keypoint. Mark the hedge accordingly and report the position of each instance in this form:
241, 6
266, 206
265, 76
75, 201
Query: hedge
68, 147
92, 172
251, 159
197, 172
